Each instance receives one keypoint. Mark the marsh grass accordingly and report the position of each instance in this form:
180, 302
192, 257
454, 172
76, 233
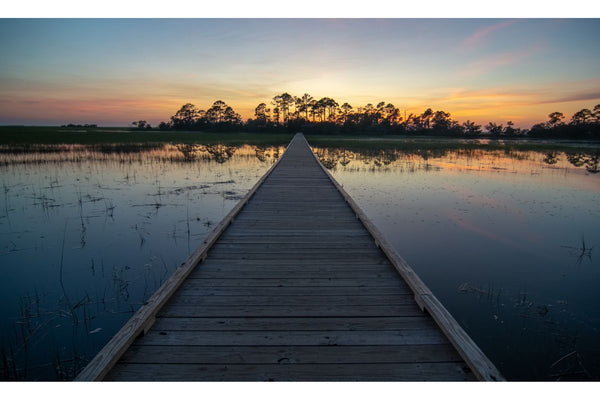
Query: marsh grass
116, 139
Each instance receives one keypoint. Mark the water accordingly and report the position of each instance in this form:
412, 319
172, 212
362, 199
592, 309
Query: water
88, 234
507, 240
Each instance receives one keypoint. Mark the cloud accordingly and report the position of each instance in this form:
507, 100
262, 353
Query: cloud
488, 64
479, 37
581, 96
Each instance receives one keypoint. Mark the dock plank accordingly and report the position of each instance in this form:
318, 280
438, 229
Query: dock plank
293, 323
416, 353
383, 372
296, 284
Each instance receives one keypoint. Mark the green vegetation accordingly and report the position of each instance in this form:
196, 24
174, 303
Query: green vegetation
30, 135
24, 139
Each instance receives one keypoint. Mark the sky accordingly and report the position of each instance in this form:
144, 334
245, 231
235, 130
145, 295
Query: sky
115, 71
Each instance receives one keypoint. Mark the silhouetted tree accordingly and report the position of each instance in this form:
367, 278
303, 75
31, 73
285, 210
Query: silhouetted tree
276, 115
494, 129
509, 130
596, 113
471, 128
261, 112
584, 116
141, 124
346, 109
231, 117
426, 118
216, 113
302, 113
441, 121
303, 104
185, 117
283, 102
555, 119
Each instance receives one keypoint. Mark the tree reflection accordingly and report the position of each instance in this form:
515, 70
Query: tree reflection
551, 158
188, 151
589, 161
218, 152
261, 154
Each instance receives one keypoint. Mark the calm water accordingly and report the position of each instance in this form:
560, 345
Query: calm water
507, 240
86, 236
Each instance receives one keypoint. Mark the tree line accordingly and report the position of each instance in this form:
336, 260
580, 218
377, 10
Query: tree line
288, 113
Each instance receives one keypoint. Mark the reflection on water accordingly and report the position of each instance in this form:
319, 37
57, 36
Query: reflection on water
506, 240
423, 159
88, 233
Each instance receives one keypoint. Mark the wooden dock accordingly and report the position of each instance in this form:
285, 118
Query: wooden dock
295, 284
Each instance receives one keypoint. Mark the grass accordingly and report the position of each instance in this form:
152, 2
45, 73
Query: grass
413, 143
119, 138
26, 135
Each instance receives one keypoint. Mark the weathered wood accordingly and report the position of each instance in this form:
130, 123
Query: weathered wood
177, 310
358, 246
293, 338
384, 372
291, 273
260, 300
191, 287
295, 288
281, 282
142, 320
418, 353
294, 323
296, 267
481, 366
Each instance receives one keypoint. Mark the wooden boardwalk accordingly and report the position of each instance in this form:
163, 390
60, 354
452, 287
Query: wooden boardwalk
299, 286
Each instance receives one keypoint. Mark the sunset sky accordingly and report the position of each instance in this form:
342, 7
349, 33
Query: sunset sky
114, 71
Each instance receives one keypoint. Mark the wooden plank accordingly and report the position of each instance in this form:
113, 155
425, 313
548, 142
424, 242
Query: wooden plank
176, 310
278, 282
144, 317
366, 249
292, 232
383, 372
481, 366
260, 300
369, 258
294, 338
292, 274
297, 267
290, 354
191, 288
293, 323
294, 243
251, 263
313, 282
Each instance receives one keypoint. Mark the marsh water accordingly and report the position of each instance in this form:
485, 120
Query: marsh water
505, 238
88, 234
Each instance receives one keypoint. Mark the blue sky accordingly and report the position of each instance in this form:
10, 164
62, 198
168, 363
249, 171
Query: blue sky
114, 71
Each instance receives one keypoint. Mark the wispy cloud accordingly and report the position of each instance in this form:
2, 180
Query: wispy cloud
488, 64
579, 96
479, 37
